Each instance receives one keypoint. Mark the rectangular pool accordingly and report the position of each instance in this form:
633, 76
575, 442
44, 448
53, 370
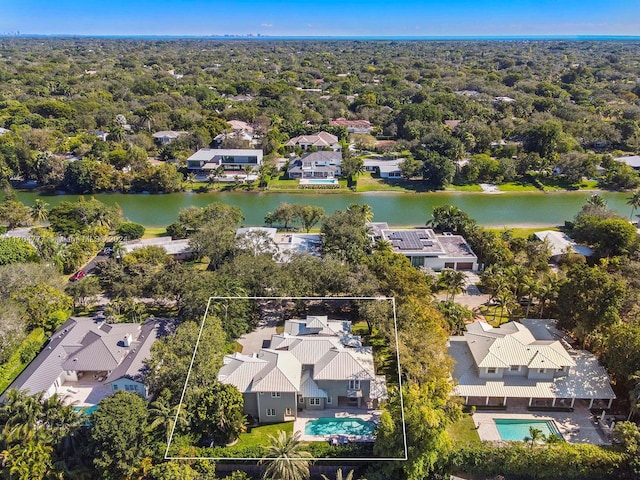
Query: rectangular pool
518, 429
339, 426
319, 181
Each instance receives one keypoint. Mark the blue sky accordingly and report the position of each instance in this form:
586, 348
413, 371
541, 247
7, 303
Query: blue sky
329, 17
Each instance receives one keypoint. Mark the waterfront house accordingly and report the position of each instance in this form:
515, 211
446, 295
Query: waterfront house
206, 161
561, 244
632, 160
321, 141
384, 167
282, 246
424, 248
527, 362
87, 359
321, 164
316, 363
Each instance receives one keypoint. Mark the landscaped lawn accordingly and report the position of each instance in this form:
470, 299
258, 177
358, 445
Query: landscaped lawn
517, 187
464, 188
258, 436
463, 432
152, 232
524, 232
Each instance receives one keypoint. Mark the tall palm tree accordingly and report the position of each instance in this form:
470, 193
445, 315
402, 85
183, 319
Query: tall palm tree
633, 201
39, 212
289, 461
454, 281
164, 416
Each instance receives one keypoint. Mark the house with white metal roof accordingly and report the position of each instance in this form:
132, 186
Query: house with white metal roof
87, 353
527, 360
165, 137
316, 363
560, 244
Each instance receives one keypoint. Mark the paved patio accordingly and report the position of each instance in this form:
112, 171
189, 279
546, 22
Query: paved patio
84, 393
308, 415
575, 427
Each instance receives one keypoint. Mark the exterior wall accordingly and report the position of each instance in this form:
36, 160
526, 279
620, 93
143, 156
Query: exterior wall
339, 388
250, 404
438, 263
307, 404
129, 385
535, 374
484, 373
279, 404
520, 373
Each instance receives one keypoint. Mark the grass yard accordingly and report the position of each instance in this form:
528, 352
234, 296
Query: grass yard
463, 432
258, 436
524, 232
153, 232
464, 188
493, 317
517, 187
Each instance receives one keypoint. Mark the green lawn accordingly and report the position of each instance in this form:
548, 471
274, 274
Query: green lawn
493, 317
517, 187
12, 368
464, 188
524, 232
152, 232
258, 436
463, 432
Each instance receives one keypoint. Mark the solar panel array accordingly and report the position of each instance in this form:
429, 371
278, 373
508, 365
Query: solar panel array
410, 240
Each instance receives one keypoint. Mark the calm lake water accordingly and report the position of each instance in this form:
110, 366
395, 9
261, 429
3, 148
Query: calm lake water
394, 208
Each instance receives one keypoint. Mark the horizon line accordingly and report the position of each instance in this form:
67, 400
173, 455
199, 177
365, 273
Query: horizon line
259, 36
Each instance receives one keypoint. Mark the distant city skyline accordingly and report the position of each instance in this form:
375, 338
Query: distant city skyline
414, 18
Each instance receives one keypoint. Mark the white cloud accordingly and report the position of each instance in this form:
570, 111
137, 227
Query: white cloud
266, 25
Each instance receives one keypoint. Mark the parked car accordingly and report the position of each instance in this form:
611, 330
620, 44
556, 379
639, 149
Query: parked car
106, 251
78, 275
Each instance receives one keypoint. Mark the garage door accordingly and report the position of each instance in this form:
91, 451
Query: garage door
464, 266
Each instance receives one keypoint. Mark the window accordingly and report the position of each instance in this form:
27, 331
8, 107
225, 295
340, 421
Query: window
450, 265
541, 370
130, 388
514, 368
491, 370
275, 394
314, 401
300, 399
271, 412
115, 387
354, 384
329, 400
287, 411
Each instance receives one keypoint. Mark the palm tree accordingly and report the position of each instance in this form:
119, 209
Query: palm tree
286, 460
453, 280
535, 435
596, 200
504, 299
633, 201
164, 416
339, 475
39, 212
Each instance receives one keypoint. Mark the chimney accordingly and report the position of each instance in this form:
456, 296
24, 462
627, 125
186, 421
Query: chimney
127, 340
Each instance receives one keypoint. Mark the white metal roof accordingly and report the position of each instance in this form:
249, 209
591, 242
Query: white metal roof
561, 243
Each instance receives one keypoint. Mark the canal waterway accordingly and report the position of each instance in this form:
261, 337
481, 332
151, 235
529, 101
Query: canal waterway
530, 208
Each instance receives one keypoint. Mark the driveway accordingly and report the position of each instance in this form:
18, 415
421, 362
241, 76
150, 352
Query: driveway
471, 297
252, 342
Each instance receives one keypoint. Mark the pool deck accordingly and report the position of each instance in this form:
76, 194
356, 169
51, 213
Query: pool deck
306, 415
575, 427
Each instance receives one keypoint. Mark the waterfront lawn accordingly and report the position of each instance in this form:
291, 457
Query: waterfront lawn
522, 232
153, 232
517, 187
463, 433
367, 182
464, 188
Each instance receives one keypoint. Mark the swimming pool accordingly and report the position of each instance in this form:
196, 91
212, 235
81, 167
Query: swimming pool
86, 410
319, 181
339, 426
518, 429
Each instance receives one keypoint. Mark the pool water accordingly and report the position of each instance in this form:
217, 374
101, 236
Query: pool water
319, 181
86, 410
518, 430
339, 426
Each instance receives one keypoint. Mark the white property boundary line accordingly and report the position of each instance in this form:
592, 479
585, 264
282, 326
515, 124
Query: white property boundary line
193, 357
